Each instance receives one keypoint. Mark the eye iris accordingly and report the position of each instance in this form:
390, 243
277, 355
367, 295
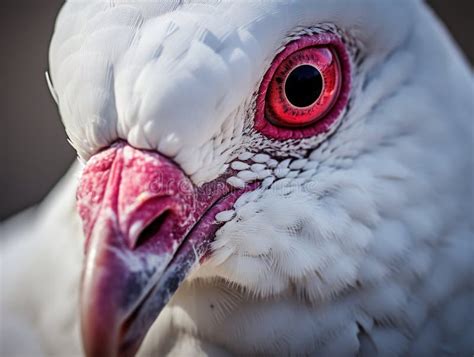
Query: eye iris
303, 86
305, 90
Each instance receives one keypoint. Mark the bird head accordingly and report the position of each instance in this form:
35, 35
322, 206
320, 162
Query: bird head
275, 146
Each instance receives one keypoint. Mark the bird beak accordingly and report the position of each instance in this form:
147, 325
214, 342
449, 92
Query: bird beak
146, 227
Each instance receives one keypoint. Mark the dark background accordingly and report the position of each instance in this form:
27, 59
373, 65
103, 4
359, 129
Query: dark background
34, 153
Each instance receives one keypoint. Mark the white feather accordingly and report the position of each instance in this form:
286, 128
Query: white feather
362, 243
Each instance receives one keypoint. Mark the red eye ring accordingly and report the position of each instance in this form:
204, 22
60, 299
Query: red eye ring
304, 87
276, 116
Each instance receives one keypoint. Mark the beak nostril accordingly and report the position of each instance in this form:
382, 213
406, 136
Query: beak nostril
152, 229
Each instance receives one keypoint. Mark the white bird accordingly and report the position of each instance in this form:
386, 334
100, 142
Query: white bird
302, 170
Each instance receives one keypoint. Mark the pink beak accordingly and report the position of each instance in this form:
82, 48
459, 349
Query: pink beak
146, 226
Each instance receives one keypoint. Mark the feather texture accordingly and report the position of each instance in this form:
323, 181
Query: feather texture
356, 243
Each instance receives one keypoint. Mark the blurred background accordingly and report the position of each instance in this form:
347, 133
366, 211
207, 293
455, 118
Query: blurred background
34, 152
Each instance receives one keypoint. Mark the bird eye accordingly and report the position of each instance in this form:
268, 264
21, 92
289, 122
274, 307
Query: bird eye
305, 89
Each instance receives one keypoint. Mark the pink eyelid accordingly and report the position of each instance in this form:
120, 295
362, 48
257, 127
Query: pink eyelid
267, 128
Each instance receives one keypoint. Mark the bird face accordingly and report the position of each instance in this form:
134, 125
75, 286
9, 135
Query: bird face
264, 145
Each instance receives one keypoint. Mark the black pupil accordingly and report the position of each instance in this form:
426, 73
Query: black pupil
303, 86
